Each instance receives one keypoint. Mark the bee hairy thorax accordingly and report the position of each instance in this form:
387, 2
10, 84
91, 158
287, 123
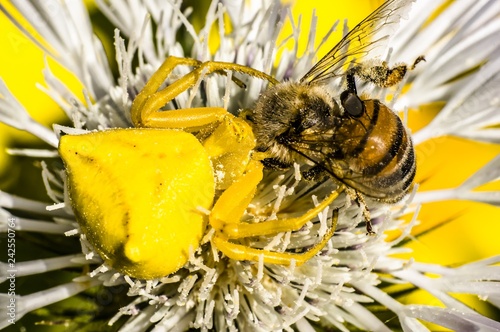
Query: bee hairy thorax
371, 152
287, 114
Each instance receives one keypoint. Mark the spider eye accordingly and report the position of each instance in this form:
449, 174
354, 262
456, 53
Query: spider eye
352, 104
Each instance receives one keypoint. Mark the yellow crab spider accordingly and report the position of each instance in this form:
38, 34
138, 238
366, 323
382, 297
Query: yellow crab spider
140, 194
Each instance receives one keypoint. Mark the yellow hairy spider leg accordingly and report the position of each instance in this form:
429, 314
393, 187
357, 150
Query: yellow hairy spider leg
242, 230
241, 252
233, 202
186, 118
155, 82
150, 100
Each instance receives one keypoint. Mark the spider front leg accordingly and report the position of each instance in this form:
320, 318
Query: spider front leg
155, 81
146, 108
227, 212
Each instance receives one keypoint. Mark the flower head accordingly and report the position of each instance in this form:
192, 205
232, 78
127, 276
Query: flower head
354, 272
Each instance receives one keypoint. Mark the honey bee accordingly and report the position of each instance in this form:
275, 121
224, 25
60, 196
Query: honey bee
358, 141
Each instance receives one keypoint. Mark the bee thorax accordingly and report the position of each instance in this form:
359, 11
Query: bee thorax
287, 113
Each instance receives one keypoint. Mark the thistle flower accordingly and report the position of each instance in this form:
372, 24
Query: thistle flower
357, 280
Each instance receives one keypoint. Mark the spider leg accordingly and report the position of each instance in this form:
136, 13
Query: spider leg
185, 118
227, 212
233, 202
237, 230
241, 252
154, 83
145, 111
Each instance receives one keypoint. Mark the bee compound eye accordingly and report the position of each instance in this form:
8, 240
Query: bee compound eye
352, 104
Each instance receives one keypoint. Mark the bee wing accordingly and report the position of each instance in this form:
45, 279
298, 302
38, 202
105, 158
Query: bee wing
319, 147
369, 36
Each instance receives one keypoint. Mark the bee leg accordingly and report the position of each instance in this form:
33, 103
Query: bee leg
368, 221
366, 214
315, 174
275, 163
381, 74
357, 197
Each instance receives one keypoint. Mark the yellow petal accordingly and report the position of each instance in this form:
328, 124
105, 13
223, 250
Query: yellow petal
22, 67
328, 13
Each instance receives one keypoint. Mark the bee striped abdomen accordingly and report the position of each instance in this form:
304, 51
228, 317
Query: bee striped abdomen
381, 158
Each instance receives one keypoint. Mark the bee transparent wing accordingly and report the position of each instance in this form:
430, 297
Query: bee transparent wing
321, 152
368, 37
318, 147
